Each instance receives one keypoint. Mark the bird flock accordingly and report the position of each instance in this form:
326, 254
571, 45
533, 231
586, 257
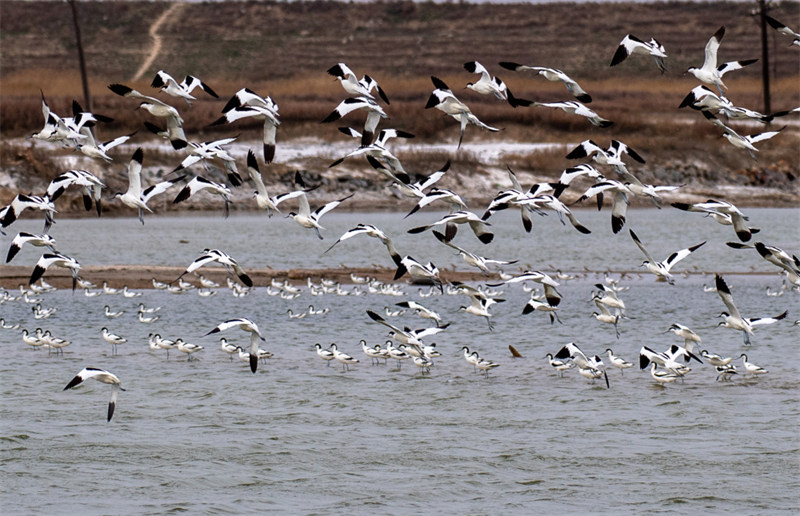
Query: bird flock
367, 99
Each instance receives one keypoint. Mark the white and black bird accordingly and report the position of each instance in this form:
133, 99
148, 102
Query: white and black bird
24, 237
751, 367
472, 259
377, 150
263, 200
101, 376
248, 326
747, 142
776, 256
630, 44
783, 29
353, 85
208, 151
723, 212
710, 73
224, 259
443, 99
55, 129
534, 305
553, 74
198, 184
135, 197
166, 83
368, 230
55, 259
605, 315
451, 222
662, 269
325, 354
574, 107
412, 339
374, 115
310, 220
455, 201
90, 184
422, 311
571, 350
559, 365
618, 362
270, 129
492, 85
342, 357
733, 318
21, 202
690, 338
550, 293
152, 105
479, 302
113, 339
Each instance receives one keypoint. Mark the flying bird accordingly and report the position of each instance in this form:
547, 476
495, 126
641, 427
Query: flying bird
553, 74
630, 44
224, 259
101, 376
445, 101
248, 326
492, 85
662, 269
710, 73
170, 86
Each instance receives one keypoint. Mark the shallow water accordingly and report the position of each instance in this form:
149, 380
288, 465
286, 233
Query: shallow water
302, 437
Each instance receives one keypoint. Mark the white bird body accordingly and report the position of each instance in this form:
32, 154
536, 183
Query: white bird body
198, 184
554, 75
248, 326
710, 73
22, 238
170, 86
733, 318
492, 85
21, 202
224, 259
662, 269
630, 44
187, 347
618, 362
353, 86
101, 376
310, 220
574, 107
751, 367
445, 101
374, 115
579, 358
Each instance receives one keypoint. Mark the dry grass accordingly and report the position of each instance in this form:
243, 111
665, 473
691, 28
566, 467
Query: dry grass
402, 44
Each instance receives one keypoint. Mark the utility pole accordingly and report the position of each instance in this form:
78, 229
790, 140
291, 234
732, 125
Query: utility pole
87, 99
762, 15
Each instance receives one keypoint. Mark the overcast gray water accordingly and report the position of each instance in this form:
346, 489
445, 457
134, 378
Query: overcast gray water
301, 437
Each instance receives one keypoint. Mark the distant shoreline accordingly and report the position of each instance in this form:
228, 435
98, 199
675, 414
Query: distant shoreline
140, 277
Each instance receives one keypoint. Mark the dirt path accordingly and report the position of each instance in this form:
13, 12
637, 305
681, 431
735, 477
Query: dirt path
156, 49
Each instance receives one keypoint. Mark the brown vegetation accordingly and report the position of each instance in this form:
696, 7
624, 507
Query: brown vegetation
283, 50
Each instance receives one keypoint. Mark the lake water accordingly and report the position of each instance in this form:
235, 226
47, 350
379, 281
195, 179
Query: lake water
208, 436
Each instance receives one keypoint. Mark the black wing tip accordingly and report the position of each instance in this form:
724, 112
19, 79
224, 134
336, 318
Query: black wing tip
439, 83
244, 278
119, 89
509, 65
619, 56
486, 237
332, 117
72, 383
